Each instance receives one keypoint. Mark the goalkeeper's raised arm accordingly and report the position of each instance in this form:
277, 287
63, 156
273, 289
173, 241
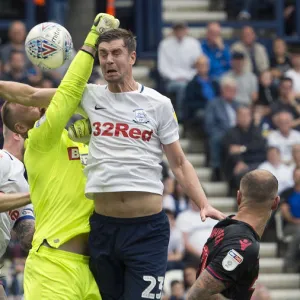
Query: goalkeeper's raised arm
68, 95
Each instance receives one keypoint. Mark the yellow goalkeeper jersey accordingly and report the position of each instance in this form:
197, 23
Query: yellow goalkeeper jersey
55, 165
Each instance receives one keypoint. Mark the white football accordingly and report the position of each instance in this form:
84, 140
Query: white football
48, 45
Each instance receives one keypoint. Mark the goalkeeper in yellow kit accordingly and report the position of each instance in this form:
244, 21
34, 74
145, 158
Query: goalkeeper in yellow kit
57, 265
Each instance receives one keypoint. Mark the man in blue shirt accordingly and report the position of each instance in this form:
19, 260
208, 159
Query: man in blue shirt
217, 52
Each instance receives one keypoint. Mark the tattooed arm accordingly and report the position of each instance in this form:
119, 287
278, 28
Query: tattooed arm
25, 230
206, 287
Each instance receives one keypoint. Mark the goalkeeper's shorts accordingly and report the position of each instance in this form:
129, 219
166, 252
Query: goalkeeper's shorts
52, 274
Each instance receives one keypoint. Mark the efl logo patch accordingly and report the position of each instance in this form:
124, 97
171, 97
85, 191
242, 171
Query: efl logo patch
232, 260
73, 153
27, 212
40, 121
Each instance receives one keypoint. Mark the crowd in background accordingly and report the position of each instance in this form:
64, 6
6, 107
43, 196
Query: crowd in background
241, 99
244, 102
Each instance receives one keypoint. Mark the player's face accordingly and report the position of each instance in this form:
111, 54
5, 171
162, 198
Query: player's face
115, 61
27, 116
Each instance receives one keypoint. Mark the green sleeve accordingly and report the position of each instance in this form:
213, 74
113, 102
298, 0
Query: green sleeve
48, 130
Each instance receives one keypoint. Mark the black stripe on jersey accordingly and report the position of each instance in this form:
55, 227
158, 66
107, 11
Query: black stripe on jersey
8, 155
142, 89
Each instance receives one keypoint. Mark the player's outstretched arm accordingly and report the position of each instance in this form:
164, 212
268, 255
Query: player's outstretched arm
68, 95
12, 201
25, 94
188, 179
206, 287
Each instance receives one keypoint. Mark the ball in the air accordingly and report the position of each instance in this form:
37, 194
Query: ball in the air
48, 45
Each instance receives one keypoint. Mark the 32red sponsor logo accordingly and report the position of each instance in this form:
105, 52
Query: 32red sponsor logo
121, 130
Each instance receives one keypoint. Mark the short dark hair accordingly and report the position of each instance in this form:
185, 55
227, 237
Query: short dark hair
119, 34
259, 186
173, 282
284, 79
238, 55
7, 116
13, 52
179, 26
270, 148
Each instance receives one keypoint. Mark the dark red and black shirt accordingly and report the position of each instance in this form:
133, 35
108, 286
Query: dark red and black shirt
231, 254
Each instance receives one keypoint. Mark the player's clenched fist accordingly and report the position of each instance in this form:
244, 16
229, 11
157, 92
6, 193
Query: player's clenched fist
103, 22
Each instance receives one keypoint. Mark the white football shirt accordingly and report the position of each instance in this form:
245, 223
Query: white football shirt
12, 180
128, 130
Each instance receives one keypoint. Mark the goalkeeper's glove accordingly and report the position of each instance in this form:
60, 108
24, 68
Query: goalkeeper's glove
103, 22
80, 131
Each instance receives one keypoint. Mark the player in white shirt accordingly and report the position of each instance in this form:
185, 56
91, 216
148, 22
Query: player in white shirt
16, 210
131, 126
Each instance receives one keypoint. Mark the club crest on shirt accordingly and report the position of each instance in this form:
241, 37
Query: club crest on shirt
140, 116
232, 260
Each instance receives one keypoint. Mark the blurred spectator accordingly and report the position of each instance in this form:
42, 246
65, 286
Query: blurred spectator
216, 50
195, 233
246, 81
290, 17
244, 146
167, 179
286, 100
177, 55
47, 84
290, 209
177, 202
177, 290
200, 90
256, 57
176, 244
17, 35
17, 68
278, 169
294, 73
285, 137
280, 61
220, 115
262, 120
267, 91
296, 159
189, 276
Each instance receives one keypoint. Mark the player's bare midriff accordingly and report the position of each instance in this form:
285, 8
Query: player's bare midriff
128, 204
77, 244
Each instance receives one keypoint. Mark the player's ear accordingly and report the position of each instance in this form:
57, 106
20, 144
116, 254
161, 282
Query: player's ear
17, 137
132, 58
275, 203
20, 128
239, 197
